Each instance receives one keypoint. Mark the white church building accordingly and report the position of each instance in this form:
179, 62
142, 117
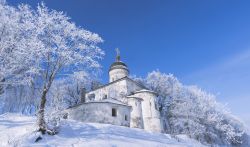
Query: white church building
122, 102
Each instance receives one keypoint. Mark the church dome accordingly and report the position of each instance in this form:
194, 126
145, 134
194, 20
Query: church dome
118, 69
118, 65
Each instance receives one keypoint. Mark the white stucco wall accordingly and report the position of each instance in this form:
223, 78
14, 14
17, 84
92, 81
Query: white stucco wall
150, 112
100, 112
136, 120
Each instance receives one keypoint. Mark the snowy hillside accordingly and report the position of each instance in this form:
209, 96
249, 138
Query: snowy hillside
17, 130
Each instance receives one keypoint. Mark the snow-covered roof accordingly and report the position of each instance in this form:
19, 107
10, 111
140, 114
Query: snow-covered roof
111, 100
124, 78
118, 65
133, 96
146, 90
108, 100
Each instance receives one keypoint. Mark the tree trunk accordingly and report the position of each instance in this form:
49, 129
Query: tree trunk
41, 120
2, 86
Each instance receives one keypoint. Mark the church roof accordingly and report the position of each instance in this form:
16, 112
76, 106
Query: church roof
138, 84
108, 100
146, 90
118, 65
111, 100
134, 97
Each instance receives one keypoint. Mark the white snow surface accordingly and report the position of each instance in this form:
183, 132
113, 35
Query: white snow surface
19, 130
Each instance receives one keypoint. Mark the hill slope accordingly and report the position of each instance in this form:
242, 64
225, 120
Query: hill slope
18, 130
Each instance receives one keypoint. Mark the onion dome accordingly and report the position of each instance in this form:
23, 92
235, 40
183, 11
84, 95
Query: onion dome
118, 64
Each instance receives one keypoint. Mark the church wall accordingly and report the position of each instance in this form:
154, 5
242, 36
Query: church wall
118, 91
136, 120
100, 113
150, 112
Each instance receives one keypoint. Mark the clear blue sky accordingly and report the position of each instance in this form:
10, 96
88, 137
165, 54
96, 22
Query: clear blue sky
206, 43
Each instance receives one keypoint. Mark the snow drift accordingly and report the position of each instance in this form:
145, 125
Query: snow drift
19, 130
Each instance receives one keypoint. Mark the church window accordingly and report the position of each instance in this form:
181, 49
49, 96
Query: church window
105, 96
114, 112
156, 106
126, 118
91, 96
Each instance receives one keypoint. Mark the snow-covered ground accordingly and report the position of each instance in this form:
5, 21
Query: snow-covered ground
18, 130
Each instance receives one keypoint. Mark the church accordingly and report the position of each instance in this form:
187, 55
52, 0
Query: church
122, 102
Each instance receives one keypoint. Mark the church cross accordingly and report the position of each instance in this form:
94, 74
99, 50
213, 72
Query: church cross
118, 57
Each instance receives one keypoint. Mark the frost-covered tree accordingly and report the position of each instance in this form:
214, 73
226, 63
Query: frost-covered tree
45, 44
18, 41
20, 99
67, 48
69, 91
192, 111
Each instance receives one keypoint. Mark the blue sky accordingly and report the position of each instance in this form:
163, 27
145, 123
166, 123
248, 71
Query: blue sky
206, 43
